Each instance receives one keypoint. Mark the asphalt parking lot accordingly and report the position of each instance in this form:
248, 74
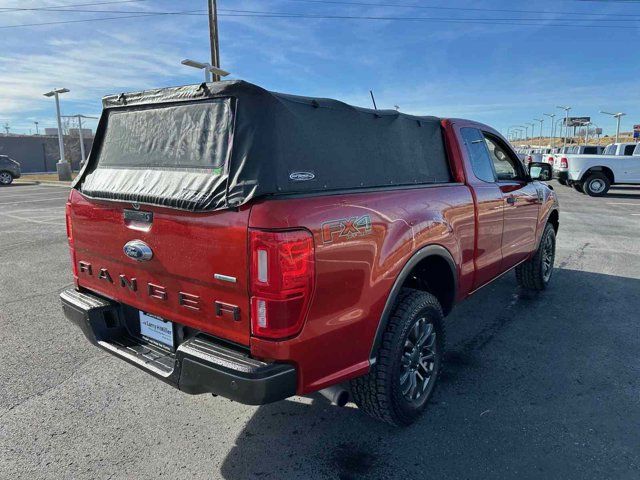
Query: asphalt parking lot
536, 386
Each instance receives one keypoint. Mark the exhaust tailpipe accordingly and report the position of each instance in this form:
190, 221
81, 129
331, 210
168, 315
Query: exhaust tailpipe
336, 394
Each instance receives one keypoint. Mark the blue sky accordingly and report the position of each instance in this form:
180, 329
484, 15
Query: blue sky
498, 73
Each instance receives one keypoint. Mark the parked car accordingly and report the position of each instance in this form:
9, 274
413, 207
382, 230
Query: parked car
258, 245
9, 170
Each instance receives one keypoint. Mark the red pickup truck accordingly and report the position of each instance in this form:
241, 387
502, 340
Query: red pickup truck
256, 245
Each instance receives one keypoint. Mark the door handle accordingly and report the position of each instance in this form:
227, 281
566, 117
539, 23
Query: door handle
511, 199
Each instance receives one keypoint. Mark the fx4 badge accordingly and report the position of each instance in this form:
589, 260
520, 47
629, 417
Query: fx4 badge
345, 228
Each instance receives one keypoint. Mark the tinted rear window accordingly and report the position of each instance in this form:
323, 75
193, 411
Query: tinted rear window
193, 135
628, 150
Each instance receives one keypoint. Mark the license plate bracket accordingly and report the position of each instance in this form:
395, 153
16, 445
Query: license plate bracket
156, 330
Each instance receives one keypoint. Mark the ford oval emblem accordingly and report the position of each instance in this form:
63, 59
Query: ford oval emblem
301, 176
138, 250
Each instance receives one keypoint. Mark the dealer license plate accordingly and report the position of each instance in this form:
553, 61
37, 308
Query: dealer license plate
156, 330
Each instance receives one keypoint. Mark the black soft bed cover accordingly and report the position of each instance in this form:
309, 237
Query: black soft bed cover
217, 145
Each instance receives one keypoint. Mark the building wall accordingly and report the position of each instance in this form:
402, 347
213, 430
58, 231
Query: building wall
40, 153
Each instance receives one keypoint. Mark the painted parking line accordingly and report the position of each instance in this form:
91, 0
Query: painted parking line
33, 201
32, 220
624, 203
32, 193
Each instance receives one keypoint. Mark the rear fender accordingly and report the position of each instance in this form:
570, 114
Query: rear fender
425, 252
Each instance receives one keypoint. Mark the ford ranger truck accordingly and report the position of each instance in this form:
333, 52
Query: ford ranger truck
256, 245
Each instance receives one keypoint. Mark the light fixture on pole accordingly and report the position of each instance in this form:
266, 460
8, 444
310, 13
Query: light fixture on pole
511, 127
521, 131
553, 136
617, 116
541, 120
566, 122
64, 173
207, 67
37, 131
79, 117
532, 125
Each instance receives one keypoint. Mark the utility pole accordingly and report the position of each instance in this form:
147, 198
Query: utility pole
79, 117
213, 37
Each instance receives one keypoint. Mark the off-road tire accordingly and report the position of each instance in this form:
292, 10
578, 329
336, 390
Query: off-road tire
532, 274
379, 393
599, 179
5, 178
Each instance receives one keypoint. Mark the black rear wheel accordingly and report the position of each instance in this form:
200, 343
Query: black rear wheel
400, 383
535, 273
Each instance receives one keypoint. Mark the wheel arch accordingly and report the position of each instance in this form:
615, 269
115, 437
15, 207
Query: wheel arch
554, 219
600, 169
432, 260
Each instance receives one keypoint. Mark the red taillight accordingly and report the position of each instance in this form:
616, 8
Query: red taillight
529, 159
550, 160
564, 163
67, 212
282, 279
72, 249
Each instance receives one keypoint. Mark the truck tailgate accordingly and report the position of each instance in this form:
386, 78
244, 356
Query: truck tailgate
197, 275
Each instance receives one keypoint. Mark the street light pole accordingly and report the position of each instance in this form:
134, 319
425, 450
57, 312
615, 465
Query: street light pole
64, 171
532, 125
617, 116
553, 137
37, 131
566, 122
541, 120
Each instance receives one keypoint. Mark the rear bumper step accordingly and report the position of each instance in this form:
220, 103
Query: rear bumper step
198, 365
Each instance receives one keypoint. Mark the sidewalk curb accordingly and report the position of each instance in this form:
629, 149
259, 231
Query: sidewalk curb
38, 182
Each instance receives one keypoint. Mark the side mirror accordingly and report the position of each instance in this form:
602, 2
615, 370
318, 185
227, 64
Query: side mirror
540, 171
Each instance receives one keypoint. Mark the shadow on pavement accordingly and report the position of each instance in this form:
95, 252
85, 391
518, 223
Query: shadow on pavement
629, 196
536, 386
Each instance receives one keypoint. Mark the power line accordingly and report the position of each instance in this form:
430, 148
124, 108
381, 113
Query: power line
65, 8
69, 5
262, 14
468, 9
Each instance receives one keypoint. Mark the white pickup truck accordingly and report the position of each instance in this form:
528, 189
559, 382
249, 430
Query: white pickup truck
555, 159
594, 174
560, 160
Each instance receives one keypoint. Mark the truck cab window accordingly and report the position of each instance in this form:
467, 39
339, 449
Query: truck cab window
505, 165
480, 161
